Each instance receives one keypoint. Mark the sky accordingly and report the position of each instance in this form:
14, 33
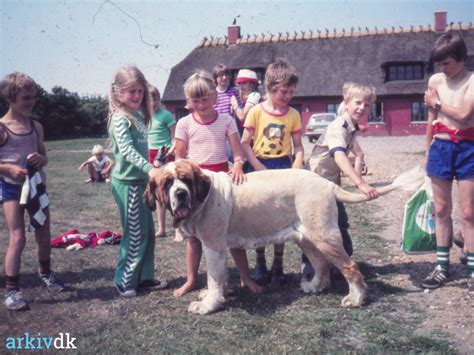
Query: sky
79, 45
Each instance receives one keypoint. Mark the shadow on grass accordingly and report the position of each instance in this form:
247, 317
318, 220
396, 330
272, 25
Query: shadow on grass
97, 283
275, 298
416, 271
70, 278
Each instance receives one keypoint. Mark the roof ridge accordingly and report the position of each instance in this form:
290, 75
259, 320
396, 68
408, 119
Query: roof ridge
328, 34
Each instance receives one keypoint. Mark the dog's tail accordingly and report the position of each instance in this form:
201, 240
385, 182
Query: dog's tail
410, 180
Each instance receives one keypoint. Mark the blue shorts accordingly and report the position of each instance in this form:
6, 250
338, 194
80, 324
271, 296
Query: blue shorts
448, 160
9, 192
273, 163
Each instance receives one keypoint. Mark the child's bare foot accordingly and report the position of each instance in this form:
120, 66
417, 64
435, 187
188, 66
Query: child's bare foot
161, 234
187, 287
178, 236
251, 285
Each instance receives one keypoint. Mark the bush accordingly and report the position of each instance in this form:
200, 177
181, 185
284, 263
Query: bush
64, 114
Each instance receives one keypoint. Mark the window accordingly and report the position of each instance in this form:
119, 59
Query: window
332, 108
404, 71
377, 113
419, 112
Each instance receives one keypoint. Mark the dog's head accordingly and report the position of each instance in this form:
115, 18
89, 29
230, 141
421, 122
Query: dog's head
179, 187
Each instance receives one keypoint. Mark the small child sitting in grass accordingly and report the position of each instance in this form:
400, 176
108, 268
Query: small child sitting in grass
99, 165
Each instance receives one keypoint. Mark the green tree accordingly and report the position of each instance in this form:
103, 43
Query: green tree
64, 114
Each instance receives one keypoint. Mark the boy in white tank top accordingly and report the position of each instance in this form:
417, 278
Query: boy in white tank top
22, 148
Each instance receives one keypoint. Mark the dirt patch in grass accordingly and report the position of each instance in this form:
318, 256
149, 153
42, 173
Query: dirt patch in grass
449, 309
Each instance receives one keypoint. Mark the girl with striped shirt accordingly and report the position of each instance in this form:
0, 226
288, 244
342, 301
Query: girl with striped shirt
201, 138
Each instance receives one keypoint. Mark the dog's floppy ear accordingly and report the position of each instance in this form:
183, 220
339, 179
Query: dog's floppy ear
161, 192
202, 183
149, 195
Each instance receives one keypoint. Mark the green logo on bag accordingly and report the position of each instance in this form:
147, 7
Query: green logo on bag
419, 224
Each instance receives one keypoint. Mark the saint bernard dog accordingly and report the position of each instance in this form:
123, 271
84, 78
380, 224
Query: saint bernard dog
271, 206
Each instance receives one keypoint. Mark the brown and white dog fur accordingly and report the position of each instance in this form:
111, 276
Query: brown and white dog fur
272, 206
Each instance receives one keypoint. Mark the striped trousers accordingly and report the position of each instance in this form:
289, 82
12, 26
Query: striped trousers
137, 248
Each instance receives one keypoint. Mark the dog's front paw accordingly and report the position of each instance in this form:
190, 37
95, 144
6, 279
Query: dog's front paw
315, 285
310, 287
200, 307
353, 301
203, 294
307, 287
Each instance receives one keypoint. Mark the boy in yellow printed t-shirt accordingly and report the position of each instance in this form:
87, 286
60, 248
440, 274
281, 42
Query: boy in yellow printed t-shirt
274, 126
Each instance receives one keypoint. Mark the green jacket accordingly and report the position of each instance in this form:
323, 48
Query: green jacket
129, 139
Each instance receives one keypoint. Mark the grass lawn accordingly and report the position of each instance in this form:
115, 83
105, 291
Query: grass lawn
281, 320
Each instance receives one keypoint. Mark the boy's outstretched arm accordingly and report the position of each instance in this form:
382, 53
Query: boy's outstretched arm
345, 165
359, 158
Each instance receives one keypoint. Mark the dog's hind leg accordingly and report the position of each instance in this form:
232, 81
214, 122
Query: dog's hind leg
331, 247
322, 275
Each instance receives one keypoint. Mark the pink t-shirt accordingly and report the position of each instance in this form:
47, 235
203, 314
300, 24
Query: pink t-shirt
206, 142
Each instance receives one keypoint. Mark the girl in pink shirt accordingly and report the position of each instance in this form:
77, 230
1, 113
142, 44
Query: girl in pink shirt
200, 138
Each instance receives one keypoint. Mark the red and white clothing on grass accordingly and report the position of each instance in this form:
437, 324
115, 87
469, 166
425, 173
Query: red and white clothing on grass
74, 240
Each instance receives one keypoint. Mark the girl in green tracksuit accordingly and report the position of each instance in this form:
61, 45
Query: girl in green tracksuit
130, 112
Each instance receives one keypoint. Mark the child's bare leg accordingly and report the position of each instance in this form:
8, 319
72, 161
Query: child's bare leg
15, 222
43, 239
466, 193
240, 259
193, 258
93, 176
161, 215
178, 236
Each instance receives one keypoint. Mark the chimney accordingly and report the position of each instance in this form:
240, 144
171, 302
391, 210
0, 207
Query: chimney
440, 21
233, 34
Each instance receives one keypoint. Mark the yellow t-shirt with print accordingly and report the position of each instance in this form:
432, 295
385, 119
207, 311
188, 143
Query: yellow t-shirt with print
272, 133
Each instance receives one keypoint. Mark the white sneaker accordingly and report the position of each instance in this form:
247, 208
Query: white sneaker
127, 293
14, 300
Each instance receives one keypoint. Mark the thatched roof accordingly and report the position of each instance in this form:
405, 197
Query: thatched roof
324, 59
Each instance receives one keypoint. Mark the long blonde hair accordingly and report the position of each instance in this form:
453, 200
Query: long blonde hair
124, 78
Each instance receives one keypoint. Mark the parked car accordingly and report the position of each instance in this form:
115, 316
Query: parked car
317, 124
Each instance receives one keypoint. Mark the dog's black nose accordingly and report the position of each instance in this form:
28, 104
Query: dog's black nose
181, 195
